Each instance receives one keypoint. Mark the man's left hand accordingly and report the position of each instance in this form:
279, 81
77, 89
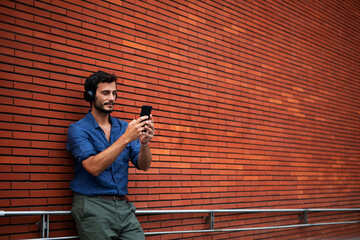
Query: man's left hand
147, 135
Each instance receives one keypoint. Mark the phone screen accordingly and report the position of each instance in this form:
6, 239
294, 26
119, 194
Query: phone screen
145, 110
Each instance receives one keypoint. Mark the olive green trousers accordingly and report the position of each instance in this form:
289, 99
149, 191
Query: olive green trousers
97, 218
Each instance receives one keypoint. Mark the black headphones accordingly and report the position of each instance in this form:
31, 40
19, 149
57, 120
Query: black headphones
89, 94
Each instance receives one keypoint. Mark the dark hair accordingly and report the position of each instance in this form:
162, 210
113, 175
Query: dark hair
91, 83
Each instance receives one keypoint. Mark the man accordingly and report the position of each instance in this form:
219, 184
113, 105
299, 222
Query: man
102, 146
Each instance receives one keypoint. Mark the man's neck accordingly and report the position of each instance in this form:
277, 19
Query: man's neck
100, 117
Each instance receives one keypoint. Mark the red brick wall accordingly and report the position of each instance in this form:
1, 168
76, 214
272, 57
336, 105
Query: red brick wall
256, 106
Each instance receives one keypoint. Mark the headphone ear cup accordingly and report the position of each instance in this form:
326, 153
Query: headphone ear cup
89, 96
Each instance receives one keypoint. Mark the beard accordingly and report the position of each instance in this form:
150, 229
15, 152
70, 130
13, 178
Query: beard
102, 107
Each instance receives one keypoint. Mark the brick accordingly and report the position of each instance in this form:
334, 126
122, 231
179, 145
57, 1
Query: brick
28, 202
30, 152
14, 143
27, 120
46, 177
49, 193
4, 203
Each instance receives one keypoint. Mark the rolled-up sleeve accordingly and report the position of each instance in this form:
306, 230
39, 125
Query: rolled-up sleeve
134, 152
79, 144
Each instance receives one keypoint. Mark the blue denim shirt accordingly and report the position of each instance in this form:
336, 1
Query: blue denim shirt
85, 139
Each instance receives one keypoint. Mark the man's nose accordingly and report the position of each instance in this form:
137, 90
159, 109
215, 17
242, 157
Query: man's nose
113, 96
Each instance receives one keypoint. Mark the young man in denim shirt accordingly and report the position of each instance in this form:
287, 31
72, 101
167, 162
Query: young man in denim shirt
102, 146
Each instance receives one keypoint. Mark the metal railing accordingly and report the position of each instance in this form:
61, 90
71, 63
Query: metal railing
45, 219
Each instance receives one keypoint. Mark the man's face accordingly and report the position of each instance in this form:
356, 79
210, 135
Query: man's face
105, 97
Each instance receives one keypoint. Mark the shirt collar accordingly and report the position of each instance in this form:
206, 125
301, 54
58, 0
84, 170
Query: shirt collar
113, 122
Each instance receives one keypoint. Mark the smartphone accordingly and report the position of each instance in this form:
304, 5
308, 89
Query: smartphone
145, 111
